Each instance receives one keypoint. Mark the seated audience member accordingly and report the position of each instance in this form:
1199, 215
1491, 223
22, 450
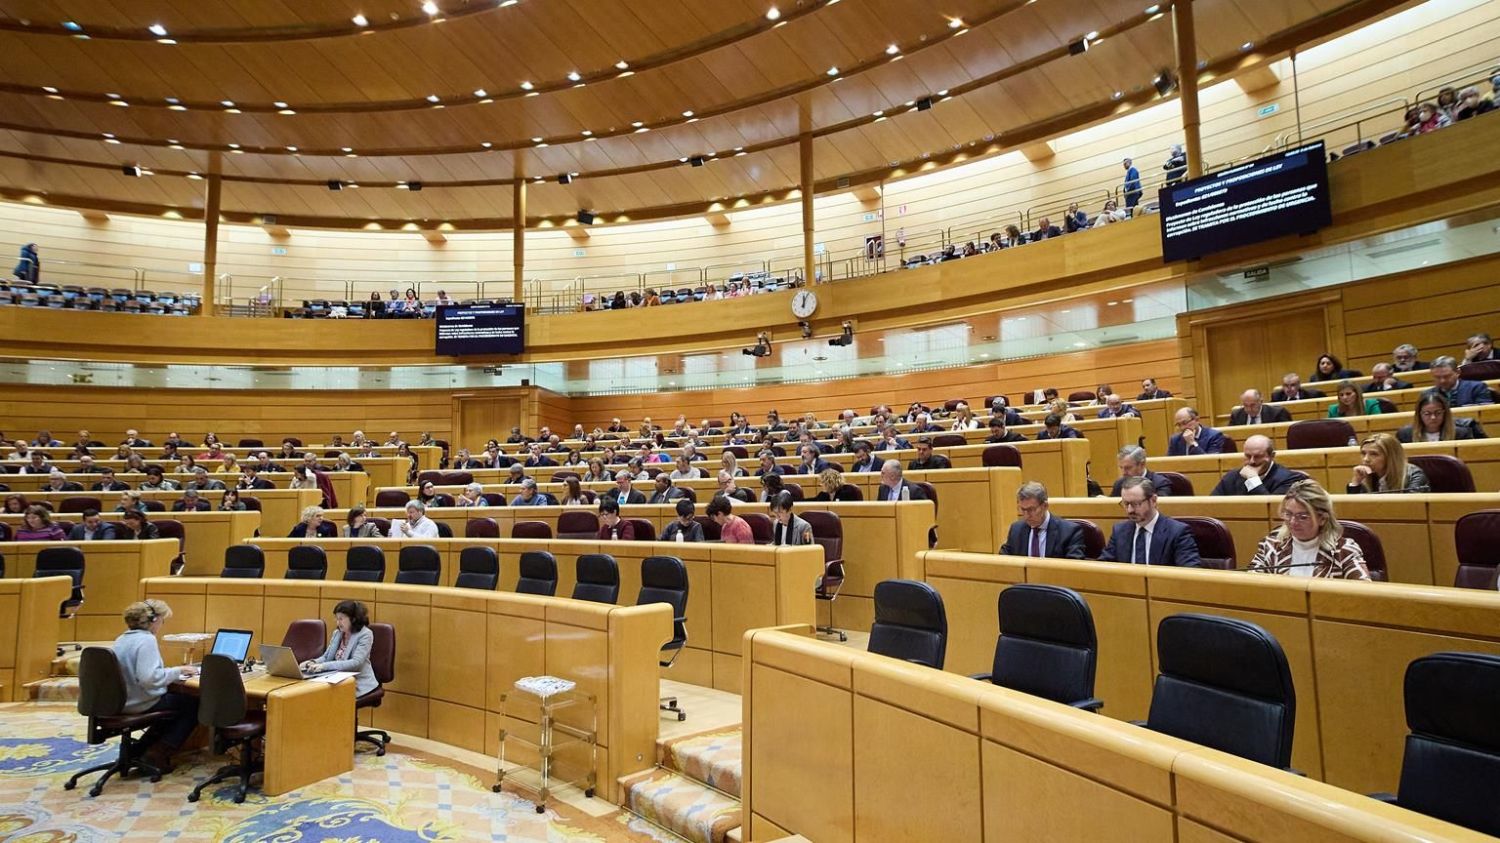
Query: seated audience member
1310, 541
770, 486
611, 526
37, 465
1434, 422
231, 501
357, 525
148, 680
1479, 349
92, 528
349, 647
730, 463
924, 425
831, 482
186, 463
664, 490
1383, 379
893, 487
1383, 468
926, 460
44, 440
1405, 359
108, 483
263, 462
135, 464
1000, 407
289, 452
1150, 391
133, 439
573, 495
1254, 410
1261, 474
864, 459
1132, 462
155, 482
203, 483
472, 495
1351, 402
135, 526
130, 499
767, 464
597, 473
416, 524
1053, 428
1074, 219
86, 464
685, 528
1115, 407
190, 502
1036, 533
15, 504
515, 437
428, 494
1329, 368
685, 470
1110, 215
1193, 438
732, 528
37, 526
963, 419
530, 496
624, 492
535, 458
515, 474
21, 451
1291, 389
999, 435
464, 462
314, 525
729, 488
890, 440
228, 464
788, 529
1459, 392
344, 462
250, 478
59, 482
812, 460
1045, 230
1147, 537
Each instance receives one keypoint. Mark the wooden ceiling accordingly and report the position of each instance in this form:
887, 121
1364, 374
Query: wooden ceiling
287, 96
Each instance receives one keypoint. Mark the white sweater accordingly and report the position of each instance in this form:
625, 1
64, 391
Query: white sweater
146, 678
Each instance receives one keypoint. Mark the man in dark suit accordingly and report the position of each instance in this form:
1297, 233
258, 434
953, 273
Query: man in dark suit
1405, 357
535, 458
191, 503
59, 482
1193, 439
1261, 474
999, 408
1132, 462
894, 488
999, 435
91, 529
812, 459
1053, 428
1037, 532
623, 493
1149, 391
1459, 392
1383, 379
863, 459
1147, 537
891, 441
1115, 407
1480, 348
1254, 410
926, 460
108, 483
1292, 390
250, 478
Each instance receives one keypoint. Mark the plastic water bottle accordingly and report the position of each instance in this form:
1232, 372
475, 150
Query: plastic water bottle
679, 536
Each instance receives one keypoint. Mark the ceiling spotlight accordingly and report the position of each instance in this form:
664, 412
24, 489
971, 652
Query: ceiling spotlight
486, 144
72, 26
622, 64
286, 111
433, 98
504, 3
227, 103
1117, 94
574, 76
167, 41
113, 96
833, 71
943, 92
526, 86
361, 20
1247, 46
1164, 82
688, 113
49, 89
587, 133
157, 29
1153, 9
773, 13
892, 50
120, 103
536, 140
430, 8
291, 149
637, 124
565, 178
346, 149
955, 23
132, 170
234, 146
195, 177
335, 184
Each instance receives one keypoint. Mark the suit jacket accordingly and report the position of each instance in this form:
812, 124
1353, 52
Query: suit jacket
1012, 417
1064, 539
1269, 414
1466, 393
886, 445
1274, 482
106, 532
181, 506
356, 659
1010, 436
1210, 441
1275, 557
796, 532
937, 461
914, 493
326, 530
1278, 394
1063, 432
1125, 410
114, 486
1171, 544
1463, 428
1416, 366
67, 486
1148, 396
1374, 386
817, 467
872, 464
1162, 485
635, 496
257, 483
542, 460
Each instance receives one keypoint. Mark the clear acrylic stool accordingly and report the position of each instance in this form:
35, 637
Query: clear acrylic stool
548, 742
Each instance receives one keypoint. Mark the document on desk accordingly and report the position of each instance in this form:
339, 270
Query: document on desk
333, 677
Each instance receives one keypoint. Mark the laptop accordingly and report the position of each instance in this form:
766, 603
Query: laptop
234, 643
281, 661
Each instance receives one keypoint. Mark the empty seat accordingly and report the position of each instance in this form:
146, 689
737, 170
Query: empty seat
364, 563
418, 564
664, 579
1369, 546
1081, 397
538, 573
82, 502
383, 664
645, 531
391, 498
445, 531
539, 530
244, 561
1181, 486
1093, 537
1444, 473
1476, 538
1047, 646
828, 532
478, 567
1483, 370
598, 578
482, 528
307, 638
910, 623
761, 528
712, 531
1215, 543
306, 562
1001, 455
1318, 433
578, 524
949, 440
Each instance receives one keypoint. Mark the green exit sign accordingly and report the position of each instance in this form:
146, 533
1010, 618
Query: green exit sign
1268, 110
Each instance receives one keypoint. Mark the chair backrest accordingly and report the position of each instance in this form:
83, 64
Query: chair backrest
645, 531
1483, 370
79, 504
154, 506
1093, 537
445, 530
1182, 487
948, 440
221, 692
478, 567
482, 528
1081, 397
712, 531
383, 652
531, 530
306, 562
1476, 537
828, 531
538, 573
1444, 473
1001, 455
560, 476
101, 684
250, 443
364, 563
244, 561
307, 637
664, 579
577, 524
418, 564
1047, 645
740, 451
251, 503
761, 528
1319, 433
457, 478
391, 498
1452, 758
910, 622
430, 476
598, 578
497, 499
63, 561
1224, 683
1369, 546
1215, 542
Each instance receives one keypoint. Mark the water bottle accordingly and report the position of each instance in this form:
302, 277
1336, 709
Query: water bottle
679, 535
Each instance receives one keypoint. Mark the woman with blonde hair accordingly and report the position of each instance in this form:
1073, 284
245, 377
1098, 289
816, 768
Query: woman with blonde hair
1383, 468
1310, 541
147, 679
229, 465
1352, 402
1060, 409
831, 481
963, 419
730, 463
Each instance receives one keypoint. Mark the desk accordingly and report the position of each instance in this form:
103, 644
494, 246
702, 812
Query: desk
309, 728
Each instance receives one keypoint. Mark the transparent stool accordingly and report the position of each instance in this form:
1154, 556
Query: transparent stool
552, 736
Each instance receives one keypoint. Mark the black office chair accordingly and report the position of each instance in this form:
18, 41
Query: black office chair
1452, 758
306, 562
445, 530
223, 709
1225, 684
910, 623
478, 567
383, 663
418, 564
664, 579
101, 698
1047, 647
244, 561
598, 579
63, 562
364, 563
538, 574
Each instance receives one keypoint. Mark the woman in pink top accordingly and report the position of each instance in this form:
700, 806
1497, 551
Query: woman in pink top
732, 528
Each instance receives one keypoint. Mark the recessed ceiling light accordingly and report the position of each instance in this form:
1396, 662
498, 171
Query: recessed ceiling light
227, 103
833, 71
504, 3
120, 103
345, 149
643, 129
536, 140
1152, 9
1247, 46
622, 64
113, 96
574, 76
72, 26
526, 86
291, 149
1118, 94
481, 93
637, 124
892, 50
541, 145
234, 146
688, 113
943, 92
286, 111
773, 13
361, 20
177, 146
430, 8
587, 133
955, 23
49, 89
1092, 36
168, 41
433, 98
486, 144
280, 104
195, 177
157, 29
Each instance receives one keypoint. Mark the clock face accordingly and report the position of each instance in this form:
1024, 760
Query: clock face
804, 303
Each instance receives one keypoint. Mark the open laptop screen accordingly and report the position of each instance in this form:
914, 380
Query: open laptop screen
234, 643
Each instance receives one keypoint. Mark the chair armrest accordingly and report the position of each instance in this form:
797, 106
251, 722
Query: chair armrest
1140, 723
983, 677
1387, 798
1091, 704
1294, 771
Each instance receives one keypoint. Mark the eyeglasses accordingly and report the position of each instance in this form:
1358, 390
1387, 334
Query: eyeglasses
1432, 414
1296, 517
1127, 505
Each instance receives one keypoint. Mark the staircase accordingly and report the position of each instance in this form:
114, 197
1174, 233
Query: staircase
61, 685
694, 791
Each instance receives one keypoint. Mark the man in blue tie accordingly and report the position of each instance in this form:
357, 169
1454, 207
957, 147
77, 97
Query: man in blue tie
1037, 533
1459, 392
1147, 537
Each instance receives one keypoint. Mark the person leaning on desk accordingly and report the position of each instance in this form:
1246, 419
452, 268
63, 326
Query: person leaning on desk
147, 680
349, 647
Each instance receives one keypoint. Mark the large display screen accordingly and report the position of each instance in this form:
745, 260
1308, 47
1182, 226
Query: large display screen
1281, 194
483, 329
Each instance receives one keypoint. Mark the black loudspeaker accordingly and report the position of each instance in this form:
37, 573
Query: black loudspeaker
586, 217
924, 104
525, 381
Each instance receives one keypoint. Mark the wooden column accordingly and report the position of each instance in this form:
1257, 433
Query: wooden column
805, 154
211, 237
518, 229
1187, 84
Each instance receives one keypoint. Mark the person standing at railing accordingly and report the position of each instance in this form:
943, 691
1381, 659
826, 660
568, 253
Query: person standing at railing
1132, 186
29, 268
1176, 165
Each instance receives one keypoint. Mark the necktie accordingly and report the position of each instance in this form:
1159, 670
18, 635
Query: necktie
780, 533
1036, 542
1139, 556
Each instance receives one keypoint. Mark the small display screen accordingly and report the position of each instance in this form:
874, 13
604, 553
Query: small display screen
234, 643
475, 329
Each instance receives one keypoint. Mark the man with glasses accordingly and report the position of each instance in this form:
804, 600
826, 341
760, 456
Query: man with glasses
1037, 533
1147, 537
1192, 438
1459, 392
1261, 474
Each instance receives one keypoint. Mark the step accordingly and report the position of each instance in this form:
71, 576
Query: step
682, 805
712, 758
53, 689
